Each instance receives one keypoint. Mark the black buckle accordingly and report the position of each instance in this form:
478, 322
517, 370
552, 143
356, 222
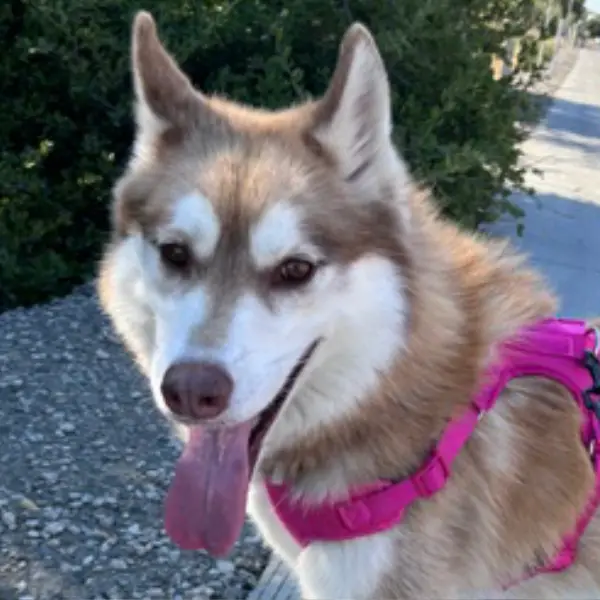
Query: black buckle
591, 396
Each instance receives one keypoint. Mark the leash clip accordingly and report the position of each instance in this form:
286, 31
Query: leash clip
592, 364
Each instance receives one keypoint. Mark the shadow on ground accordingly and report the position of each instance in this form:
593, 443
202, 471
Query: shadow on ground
561, 237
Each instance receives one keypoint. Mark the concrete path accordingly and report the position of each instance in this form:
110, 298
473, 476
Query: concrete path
562, 224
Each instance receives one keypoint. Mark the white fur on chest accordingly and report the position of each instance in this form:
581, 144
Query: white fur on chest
273, 532
352, 569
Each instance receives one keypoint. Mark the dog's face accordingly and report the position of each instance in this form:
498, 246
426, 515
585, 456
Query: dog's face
268, 248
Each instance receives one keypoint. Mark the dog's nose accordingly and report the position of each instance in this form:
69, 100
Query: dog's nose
197, 390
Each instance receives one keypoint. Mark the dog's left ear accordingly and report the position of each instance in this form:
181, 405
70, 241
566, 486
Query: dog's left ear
353, 119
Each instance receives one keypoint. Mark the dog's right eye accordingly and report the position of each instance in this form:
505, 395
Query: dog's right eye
174, 255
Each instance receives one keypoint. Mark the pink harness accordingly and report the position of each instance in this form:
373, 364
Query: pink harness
563, 350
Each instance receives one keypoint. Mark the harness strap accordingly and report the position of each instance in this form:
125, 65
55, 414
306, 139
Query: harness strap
375, 508
381, 505
566, 338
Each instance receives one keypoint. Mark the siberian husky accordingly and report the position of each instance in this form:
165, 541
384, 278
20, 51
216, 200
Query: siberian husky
306, 318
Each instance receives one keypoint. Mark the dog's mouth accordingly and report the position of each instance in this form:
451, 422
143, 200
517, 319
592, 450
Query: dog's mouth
268, 416
206, 504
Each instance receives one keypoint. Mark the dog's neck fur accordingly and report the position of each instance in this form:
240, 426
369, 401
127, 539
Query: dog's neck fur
481, 294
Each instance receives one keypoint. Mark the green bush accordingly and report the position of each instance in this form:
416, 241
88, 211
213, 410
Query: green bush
593, 27
65, 106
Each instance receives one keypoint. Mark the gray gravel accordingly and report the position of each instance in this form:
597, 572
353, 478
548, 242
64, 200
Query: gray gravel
84, 467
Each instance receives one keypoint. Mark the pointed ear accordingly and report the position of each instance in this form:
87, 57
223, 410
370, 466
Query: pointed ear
353, 119
165, 96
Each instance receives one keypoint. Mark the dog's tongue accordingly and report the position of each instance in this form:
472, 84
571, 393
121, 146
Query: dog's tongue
206, 503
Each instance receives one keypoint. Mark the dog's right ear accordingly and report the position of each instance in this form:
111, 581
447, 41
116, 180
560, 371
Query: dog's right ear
165, 96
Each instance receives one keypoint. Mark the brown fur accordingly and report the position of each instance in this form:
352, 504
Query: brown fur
524, 477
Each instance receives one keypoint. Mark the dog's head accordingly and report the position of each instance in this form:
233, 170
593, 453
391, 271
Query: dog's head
258, 258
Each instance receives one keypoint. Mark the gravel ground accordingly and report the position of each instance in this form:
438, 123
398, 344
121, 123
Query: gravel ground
85, 464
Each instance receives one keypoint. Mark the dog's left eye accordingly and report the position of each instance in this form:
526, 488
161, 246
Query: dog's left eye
294, 271
175, 255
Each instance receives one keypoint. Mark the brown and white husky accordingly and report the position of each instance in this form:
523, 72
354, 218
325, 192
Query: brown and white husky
303, 314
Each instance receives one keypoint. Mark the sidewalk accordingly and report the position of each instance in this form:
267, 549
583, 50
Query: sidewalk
562, 224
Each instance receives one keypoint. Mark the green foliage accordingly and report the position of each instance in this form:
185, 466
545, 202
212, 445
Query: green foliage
593, 27
577, 8
65, 106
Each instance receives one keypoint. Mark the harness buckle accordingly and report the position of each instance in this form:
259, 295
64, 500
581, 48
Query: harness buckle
432, 476
592, 364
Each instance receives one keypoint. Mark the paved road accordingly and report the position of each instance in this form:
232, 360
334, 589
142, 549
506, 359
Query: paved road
562, 224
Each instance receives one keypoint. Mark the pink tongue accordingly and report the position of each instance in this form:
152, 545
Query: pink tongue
206, 503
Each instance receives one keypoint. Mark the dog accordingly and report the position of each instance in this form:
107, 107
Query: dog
310, 324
